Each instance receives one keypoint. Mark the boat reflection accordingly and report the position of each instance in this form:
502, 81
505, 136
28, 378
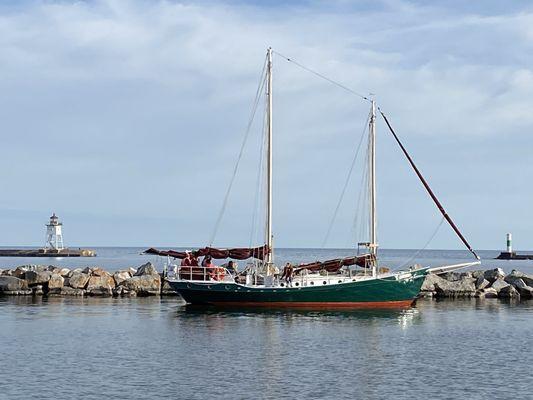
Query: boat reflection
403, 316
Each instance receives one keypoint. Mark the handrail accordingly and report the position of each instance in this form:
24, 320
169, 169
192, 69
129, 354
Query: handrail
204, 271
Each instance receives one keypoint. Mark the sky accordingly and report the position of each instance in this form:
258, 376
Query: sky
126, 119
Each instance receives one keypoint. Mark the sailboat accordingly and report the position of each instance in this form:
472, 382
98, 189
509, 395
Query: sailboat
322, 284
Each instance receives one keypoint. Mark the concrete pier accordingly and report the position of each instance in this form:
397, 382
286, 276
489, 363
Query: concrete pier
47, 253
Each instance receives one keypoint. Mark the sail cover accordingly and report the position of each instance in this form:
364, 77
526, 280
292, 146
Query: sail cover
336, 264
235, 253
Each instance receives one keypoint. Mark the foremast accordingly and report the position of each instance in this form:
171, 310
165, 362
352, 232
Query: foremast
268, 231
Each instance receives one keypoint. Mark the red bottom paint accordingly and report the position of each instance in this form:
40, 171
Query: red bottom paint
319, 304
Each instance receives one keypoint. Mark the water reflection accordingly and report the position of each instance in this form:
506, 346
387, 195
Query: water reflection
192, 311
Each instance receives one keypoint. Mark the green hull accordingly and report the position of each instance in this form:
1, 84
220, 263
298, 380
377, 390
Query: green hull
383, 292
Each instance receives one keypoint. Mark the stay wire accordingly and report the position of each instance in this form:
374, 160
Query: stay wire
322, 76
262, 81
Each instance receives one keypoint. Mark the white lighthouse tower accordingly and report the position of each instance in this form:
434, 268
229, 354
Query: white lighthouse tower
54, 237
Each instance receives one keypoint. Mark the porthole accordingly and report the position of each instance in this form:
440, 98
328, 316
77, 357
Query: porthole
312, 283
188, 285
353, 280
296, 284
209, 287
324, 283
282, 284
340, 281
226, 287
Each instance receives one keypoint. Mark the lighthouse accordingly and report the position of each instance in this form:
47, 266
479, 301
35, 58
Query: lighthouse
54, 237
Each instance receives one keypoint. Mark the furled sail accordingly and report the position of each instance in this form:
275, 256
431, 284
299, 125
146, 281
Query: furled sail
235, 253
334, 265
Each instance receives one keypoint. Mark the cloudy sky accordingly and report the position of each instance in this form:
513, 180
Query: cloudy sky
126, 119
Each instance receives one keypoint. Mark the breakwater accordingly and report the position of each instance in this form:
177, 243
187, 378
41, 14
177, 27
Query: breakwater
41, 280
493, 283
38, 280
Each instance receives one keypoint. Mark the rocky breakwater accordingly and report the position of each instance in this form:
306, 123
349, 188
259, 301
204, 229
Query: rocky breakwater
492, 283
41, 280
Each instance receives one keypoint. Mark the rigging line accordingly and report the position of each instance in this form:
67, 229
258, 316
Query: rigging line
345, 183
361, 204
262, 81
323, 76
425, 245
259, 181
428, 189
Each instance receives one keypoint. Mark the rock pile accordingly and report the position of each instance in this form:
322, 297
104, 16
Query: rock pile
492, 283
91, 281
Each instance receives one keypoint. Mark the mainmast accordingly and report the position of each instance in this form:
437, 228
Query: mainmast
372, 181
268, 241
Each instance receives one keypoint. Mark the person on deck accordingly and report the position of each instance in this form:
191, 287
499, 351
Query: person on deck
194, 260
232, 267
287, 273
187, 261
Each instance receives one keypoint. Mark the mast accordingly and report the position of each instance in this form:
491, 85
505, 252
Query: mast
268, 241
372, 180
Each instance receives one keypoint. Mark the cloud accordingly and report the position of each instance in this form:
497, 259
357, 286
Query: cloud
140, 107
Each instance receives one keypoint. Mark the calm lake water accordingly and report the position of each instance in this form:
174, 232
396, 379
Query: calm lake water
154, 348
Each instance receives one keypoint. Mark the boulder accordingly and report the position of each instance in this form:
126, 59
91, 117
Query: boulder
132, 270
55, 283
524, 290
53, 269
38, 268
499, 284
167, 290
37, 277
19, 272
478, 273
121, 276
456, 276
490, 293
429, 283
144, 285
69, 291
465, 287
64, 272
492, 274
482, 283
12, 285
7, 272
96, 271
528, 279
123, 291
146, 269
74, 271
509, 292
100, 286
78, 280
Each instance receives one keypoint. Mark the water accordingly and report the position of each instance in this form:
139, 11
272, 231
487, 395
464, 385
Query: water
152, 348
114, 258
65, 348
